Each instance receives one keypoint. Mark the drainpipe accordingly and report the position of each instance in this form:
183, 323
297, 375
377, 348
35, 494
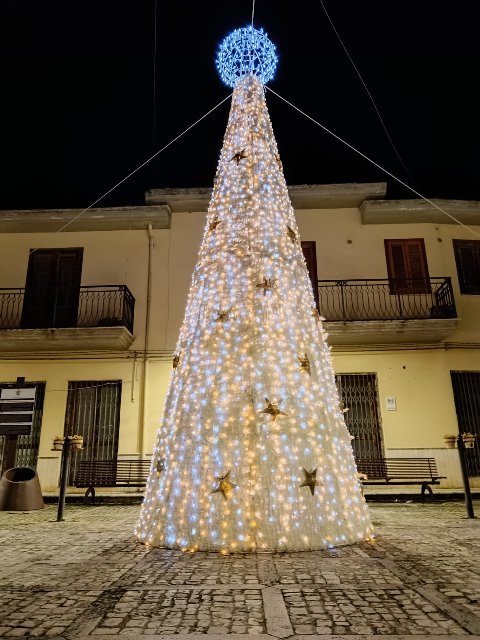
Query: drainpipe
143, 390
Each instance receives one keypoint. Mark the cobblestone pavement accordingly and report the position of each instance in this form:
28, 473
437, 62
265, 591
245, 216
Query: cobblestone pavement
88, 578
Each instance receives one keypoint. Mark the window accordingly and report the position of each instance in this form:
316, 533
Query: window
93, 411
27, 446
52, 288
407, 266
359, 397
466, 393
467, 257
309, 248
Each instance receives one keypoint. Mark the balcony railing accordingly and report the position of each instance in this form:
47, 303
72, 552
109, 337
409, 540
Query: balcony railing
406, 299
95, 306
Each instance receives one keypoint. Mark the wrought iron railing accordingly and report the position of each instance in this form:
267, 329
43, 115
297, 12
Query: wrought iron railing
405, 299
98, 306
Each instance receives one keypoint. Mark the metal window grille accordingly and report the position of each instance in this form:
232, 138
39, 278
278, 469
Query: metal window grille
358, 393
466, 392
27, 446
93, 411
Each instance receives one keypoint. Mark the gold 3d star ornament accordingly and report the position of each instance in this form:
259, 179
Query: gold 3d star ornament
343, 408
268, 284
310, 480
214, 224
223, 316
304, 363
225, 487
273, 410
238, 157
176, 360
291, 234
160, 465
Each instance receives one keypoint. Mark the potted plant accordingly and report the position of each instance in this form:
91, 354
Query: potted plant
58, 443
76, 441
450, 440
468, 440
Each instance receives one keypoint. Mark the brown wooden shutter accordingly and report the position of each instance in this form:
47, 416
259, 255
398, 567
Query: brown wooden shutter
52, 288
407, 266
309, 248
37, 304
467, 258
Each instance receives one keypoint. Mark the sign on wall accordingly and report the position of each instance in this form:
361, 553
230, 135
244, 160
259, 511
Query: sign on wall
16, 411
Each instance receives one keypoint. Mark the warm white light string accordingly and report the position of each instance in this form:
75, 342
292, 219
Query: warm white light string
368, 93
141, 165
350, 146
252, 337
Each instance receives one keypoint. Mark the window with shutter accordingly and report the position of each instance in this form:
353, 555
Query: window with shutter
52, 288
467, 257
407, 266
309, 248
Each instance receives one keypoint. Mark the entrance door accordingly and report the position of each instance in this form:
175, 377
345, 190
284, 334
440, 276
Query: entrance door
27, 446
466, 392
52, 288
358, 393
93, 411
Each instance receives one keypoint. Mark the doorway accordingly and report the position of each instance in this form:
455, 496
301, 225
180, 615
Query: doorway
93, 411
359, 395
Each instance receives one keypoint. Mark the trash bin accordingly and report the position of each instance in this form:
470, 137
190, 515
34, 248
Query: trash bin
20, 490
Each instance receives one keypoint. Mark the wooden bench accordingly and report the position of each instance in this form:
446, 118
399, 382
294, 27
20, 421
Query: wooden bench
110, 473
398, 471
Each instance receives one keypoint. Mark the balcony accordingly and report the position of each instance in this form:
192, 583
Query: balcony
387, 311
96, 317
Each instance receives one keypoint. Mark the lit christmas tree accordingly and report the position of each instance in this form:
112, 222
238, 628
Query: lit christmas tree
253, 452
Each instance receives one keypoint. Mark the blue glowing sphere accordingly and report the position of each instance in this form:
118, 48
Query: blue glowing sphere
246, 51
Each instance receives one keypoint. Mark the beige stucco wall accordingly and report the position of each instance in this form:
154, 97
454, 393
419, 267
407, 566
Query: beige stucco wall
419, 378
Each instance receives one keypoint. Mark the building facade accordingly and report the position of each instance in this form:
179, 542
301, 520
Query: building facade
90, 317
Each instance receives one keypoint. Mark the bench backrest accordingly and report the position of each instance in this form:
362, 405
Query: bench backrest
105, 471
401, 468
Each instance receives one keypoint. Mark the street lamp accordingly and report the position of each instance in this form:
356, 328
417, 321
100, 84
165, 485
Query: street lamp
463, 466
69, 443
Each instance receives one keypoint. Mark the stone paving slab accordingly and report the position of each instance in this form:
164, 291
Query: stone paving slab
333, 571
365, 611
87, 578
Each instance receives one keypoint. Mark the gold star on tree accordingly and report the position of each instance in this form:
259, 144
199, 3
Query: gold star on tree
176, 360
273, 410
268, 284
160, 466
304, 363
343, 408
225, 487
310, 480
239, 156
316, 315
214, 224
291, 234
223, 316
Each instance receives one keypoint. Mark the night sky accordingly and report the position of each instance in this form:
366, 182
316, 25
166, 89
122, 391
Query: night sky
78, 110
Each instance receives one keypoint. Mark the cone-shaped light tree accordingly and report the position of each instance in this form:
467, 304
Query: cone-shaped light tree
253, 452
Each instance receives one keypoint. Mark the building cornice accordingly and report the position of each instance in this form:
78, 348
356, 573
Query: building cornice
304, 196
108, 219
419, 211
